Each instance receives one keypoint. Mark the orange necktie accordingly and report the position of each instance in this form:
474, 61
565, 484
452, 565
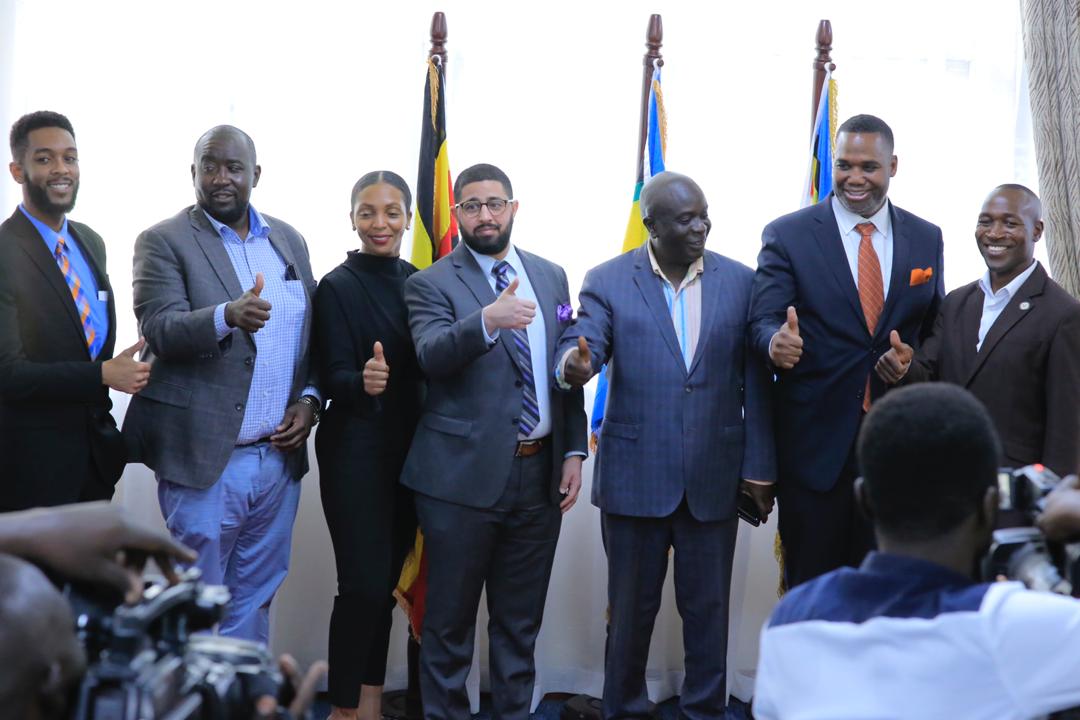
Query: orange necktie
871, 288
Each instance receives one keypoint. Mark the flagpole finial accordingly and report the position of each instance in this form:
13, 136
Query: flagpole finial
654, 39
438, 37
822, 63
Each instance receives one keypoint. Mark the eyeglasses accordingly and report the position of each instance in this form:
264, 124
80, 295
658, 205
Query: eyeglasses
495, 206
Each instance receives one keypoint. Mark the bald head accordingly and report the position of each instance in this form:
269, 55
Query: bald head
660, 192
674, 211
220, 132
1026, 200
38, 650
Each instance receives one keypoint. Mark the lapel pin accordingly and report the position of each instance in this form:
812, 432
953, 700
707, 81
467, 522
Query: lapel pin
1025, 305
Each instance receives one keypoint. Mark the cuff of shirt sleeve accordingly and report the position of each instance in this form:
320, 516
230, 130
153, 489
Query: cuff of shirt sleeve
759, 482
575, 453
560, 369
489, 338
221, 328
313, 392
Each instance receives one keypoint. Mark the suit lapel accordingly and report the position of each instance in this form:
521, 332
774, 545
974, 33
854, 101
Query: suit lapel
653, 294
711, 287
1020, 306
970, 319
469, 272
214, 248
30, 241
543, 286
900, 279
831, 245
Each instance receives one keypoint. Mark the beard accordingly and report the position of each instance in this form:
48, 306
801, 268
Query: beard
39, 196
225, 216
867, 207
488, 246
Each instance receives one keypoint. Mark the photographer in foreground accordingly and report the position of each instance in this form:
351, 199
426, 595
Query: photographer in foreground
99, 545
911, 633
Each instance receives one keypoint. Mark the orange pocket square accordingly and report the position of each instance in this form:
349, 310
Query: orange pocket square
921, 275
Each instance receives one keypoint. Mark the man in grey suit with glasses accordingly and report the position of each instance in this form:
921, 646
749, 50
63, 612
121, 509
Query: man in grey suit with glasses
497, 456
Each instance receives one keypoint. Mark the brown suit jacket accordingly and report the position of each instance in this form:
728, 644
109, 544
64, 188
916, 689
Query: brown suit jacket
1027, 371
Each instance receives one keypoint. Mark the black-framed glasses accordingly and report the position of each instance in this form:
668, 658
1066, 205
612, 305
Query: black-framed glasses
495, 206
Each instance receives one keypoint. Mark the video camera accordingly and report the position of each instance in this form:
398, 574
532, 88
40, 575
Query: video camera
1022, 552
144, 662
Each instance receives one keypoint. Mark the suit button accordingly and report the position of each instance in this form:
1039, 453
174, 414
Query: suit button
248, 361
513, 421
689, 389
517, 383
239, 407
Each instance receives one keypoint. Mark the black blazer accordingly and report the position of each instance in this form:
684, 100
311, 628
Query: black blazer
58, 440
1026, 372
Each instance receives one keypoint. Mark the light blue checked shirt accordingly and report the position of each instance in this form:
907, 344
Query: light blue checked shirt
97, 299
278, 343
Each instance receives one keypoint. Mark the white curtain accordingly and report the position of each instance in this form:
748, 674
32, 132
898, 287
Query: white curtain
549, 91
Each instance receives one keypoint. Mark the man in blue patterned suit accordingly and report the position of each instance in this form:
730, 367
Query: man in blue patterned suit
687, 428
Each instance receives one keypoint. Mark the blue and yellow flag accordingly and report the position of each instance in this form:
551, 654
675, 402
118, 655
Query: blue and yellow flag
652, 163
819, 176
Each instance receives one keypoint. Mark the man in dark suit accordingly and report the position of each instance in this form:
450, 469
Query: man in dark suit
833, 280
498, 451
687, 424
224, 421
1012, 338
58, 440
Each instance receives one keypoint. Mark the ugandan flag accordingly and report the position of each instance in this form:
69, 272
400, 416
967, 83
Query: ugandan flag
434, 235
819, 176
435, 232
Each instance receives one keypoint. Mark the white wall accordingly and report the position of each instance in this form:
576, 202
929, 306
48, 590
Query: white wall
549, 91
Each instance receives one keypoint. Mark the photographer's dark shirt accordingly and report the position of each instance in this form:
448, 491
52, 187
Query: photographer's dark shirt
906, 638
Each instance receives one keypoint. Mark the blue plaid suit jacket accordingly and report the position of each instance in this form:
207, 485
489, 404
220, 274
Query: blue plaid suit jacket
669, 432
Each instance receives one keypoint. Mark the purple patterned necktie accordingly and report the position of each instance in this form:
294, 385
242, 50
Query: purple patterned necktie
530, 410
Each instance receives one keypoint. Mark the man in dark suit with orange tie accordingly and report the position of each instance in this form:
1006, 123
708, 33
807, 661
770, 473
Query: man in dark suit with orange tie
833, 281
58, 440
1012, 338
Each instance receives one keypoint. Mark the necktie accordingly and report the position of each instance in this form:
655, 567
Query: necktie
530, 411
871, 288
75, 285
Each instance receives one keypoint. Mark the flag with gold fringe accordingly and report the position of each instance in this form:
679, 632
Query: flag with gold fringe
652, 163
819, 176
434, 235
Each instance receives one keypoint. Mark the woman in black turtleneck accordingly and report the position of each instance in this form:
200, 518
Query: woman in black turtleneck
369, 372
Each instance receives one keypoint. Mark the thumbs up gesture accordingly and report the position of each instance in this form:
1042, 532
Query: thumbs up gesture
250, 312
786, 345
893, 365
509, 312
578, 368
376, 372
124, 372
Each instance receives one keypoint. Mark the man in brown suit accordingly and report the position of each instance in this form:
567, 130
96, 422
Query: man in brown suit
1012, 338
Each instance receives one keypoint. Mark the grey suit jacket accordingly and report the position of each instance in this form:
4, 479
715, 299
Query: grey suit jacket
465, 442
185, 422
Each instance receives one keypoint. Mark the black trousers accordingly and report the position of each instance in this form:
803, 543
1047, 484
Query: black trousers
372, 522
637, 552
509, 548
822, 531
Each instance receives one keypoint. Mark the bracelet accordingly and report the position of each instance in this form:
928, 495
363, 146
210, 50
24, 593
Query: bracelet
315, 405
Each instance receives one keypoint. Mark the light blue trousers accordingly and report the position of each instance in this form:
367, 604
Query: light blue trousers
241, 526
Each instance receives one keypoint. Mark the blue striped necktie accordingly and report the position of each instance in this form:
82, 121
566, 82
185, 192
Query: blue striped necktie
530, 411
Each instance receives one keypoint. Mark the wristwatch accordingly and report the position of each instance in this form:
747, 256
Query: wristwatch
316, 407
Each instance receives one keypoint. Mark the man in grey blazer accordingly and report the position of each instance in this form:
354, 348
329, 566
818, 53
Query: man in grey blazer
686, 429
498, 451
232, 398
